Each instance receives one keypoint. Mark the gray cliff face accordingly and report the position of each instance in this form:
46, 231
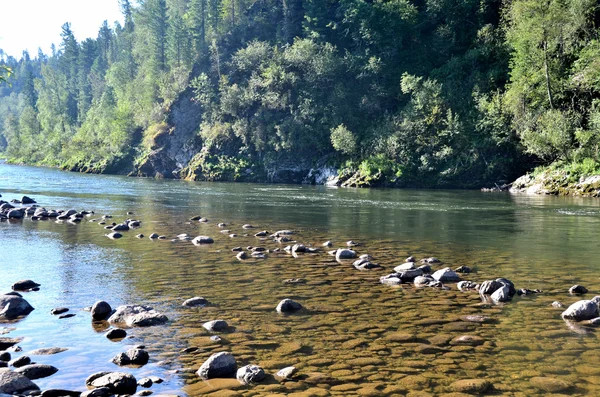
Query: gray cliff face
174, 149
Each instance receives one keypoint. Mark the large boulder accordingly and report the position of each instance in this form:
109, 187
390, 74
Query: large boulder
250, 374
117, 382
27, 200
581, 310
219, 365
137, 316
15, 383
502, 294
13, 305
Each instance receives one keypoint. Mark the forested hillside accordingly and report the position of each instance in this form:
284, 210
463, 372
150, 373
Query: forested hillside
426, 93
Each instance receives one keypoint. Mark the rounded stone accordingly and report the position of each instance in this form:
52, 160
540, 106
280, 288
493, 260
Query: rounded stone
250, 374
219, 365
101, 310
288, 306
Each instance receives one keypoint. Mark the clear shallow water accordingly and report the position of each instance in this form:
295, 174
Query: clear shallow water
356, 337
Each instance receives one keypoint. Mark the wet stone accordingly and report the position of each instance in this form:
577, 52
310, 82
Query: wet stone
549, 384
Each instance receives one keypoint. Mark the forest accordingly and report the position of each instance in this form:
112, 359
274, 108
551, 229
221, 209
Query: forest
403, 93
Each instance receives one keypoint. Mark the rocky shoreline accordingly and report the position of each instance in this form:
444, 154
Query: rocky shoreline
428, 273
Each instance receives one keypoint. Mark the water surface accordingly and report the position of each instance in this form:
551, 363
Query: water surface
356, 336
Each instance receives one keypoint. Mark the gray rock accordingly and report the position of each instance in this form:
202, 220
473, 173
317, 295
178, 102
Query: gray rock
446, 275
286, 373
431, 260
98, 392
5, 356
20, 362
215, 325
466, 285
327, 244
390, 279
219, 365
24, 285
13, 306
241, 256
132, 357
263, 233
578, 289
59, 310
114, 235
364, 264
202, 240
343, 253
557, 304
488, 287
247, 226
137, 316
196, 301
153, 236
502, 294
423, 281
288, 306
121, 227
60, 393
250, 374
581, 310
296, 248
463, 269
15, 383
6, 343
37, 371
101, 310
16, 213
408, 276
145, 382
405, 266
116, 382
47, 351
116, 333
27, 200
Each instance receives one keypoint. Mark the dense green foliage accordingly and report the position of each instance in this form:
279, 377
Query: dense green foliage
393, 92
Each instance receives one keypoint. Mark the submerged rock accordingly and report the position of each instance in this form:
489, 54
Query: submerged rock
195, 301
215, 325
219, 365
137, 316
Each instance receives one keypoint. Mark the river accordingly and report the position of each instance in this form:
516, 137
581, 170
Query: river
355, 335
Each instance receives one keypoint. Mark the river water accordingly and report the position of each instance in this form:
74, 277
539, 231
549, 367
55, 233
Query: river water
354, 335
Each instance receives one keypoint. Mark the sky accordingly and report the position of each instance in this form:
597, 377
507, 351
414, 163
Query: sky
32, 24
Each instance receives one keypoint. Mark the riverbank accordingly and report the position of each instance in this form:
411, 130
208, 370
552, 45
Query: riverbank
557, 182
